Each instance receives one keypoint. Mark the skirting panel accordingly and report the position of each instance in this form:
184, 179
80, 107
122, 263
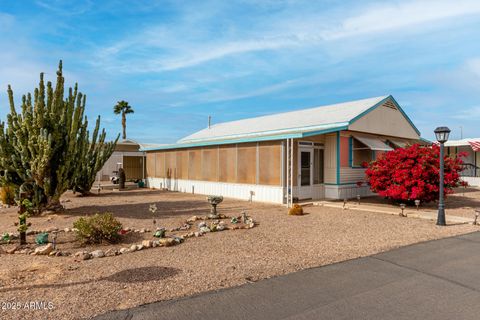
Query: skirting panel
348, 191
261, 193
472, 181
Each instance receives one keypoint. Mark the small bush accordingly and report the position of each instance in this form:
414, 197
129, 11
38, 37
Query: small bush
7, 195
98, 228
296, 210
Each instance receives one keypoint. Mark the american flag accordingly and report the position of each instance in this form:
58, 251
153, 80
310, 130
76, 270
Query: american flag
475, 145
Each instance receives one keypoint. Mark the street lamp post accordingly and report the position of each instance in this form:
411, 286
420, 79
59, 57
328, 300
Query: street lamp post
441, 133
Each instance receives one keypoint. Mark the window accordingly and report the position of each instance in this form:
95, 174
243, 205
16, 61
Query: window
318, 166
360, 153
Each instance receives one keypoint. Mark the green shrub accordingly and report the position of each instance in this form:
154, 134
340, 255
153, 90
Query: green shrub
98, 228
7, 195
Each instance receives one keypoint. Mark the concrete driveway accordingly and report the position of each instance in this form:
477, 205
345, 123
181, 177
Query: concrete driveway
432, 280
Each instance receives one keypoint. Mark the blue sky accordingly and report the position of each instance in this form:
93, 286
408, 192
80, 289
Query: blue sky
177, 62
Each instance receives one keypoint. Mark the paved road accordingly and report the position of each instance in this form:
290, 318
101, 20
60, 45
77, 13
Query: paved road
433, 280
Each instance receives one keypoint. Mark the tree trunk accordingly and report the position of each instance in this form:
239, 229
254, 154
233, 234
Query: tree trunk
124, 125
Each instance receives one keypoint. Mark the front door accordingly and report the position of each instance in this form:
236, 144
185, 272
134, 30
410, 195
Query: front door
305, 173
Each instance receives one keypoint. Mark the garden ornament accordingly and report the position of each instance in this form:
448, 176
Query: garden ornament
42, 238
214, 201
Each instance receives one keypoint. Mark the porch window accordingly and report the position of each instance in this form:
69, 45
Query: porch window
363, 148
318, 166
360, 153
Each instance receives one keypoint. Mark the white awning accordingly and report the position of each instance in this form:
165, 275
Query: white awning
373, 143
398, 143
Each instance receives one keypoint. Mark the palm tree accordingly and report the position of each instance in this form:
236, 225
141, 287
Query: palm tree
123, 108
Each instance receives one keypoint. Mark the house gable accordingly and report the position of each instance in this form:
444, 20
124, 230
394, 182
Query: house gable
386, 118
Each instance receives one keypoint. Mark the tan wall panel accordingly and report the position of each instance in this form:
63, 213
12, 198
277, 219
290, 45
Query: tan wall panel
210, 164
195, 164
269, 157
182, 164
247, 163
170, 164
160, 165
227, 159
150, 164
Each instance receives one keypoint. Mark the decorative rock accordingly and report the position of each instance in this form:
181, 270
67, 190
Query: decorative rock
66, 229
52, 229
124, 250
79, 253
12, 251
167, 242
202, 224
136, 231
155, 244
204, 229
44, 250
143, 230
192, 219
139, 247
86, 256
198, 234
147, 243
97, 254
133, 247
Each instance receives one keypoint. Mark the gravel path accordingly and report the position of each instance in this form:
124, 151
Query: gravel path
280, 244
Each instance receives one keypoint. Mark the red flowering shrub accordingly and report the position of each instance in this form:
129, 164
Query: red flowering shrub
412, 173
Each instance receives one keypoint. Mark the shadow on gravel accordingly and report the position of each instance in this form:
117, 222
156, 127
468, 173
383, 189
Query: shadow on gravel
142, 274
134, 275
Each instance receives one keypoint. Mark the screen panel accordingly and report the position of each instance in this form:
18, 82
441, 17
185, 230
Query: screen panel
247, 163
227, 160
269, 157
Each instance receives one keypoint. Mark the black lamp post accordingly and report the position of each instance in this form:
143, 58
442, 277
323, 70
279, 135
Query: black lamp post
441, 133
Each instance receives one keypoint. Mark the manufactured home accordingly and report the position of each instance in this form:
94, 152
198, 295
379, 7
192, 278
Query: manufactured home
314, 153
127, 155
470, 147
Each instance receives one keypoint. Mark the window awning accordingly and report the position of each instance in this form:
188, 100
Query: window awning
373, 143
399, 143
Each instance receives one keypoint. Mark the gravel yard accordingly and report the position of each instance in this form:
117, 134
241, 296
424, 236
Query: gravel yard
280, 244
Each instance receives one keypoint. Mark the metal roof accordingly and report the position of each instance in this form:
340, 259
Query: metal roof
293, 124
462, 142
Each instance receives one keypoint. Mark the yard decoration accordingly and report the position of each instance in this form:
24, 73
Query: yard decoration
121, 178
46, 149
412, 173
296, 210
153, 209
24, 210
41, 238
214, 201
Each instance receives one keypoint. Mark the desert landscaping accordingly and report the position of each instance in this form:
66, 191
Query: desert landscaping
278, 244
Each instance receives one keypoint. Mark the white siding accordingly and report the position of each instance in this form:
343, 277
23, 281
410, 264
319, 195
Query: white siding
262, 193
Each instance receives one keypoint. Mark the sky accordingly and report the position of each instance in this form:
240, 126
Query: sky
177, 62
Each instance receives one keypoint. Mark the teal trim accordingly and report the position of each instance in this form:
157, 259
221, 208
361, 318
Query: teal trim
426, 140
316, 133
338, 157
222, 142
379, 104
350, 152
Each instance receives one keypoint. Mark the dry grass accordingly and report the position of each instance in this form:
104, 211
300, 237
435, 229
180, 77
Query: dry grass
280, 244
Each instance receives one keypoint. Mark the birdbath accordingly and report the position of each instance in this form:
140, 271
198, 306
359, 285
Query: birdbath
214, 201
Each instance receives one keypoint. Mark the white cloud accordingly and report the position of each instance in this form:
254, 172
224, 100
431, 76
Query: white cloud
381, 18
189, 42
